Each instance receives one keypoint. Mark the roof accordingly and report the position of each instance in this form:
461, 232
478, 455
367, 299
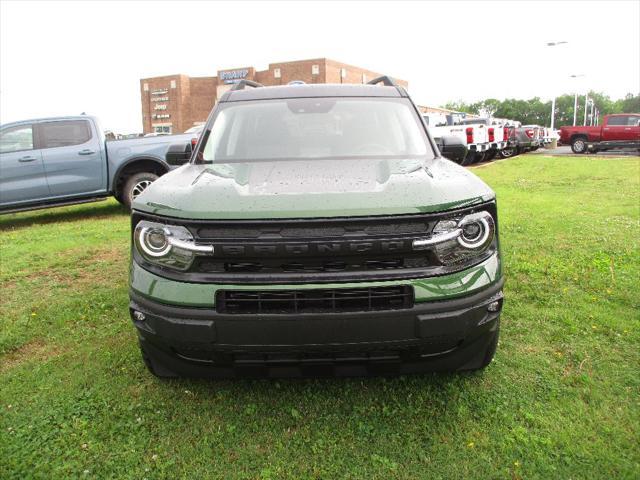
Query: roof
312, 90
49, 119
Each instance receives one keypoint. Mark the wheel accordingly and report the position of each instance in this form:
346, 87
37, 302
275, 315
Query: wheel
507, 152
469, 159
154, 367
579, 145
480, 157
135, 185
491, 154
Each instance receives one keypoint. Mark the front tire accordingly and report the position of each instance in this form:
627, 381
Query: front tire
135, 185
579, 145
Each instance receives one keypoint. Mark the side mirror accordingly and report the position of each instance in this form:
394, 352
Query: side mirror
178, 153
452, 148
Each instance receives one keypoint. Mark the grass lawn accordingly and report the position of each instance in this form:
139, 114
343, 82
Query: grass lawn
561, 400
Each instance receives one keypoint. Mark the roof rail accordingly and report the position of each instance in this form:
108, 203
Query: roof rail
388, 81
245, 83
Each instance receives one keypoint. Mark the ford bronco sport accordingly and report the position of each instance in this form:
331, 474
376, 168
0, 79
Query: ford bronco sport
317, 230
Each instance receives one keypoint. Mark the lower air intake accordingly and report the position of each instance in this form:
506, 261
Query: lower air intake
314, 300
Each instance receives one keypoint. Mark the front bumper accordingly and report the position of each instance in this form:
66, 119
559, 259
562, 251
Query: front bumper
443, 334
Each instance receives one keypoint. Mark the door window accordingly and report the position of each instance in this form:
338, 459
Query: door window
633, 121
16, 139
620, 120
63, 134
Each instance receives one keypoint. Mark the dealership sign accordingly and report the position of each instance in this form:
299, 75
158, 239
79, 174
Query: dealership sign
232, 76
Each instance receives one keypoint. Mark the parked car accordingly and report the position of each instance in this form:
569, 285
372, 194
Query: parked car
66, 160
475, 137
616, 131
496, 135
317, 230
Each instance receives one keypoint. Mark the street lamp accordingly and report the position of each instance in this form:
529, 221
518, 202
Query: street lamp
553, 99
586, 107
575, 100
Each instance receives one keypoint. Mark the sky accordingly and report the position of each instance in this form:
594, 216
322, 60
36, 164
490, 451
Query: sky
64, 58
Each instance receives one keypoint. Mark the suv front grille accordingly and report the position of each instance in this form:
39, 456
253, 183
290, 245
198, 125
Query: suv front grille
314, 300
313, 250
315, 265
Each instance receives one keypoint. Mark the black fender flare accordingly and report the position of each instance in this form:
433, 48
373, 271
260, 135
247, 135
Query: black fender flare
160, 163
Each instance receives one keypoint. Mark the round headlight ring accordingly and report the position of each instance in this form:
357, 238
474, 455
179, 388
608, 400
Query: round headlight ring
157, 250
485, 234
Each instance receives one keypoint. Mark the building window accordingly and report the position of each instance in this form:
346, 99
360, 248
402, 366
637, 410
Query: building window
315, 69
276, 73
145, 87
162, 128
173, 84
343, 73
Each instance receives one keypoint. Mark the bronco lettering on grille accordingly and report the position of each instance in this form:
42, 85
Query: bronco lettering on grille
311, 248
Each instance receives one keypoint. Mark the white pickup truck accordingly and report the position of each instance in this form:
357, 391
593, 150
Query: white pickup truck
475, 136
497, 133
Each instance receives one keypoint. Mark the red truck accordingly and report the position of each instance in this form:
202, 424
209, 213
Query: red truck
617, 131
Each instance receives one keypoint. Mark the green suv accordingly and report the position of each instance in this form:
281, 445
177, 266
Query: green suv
316, 230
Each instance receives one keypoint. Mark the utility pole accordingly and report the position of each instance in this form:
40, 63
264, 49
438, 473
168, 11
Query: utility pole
592, 105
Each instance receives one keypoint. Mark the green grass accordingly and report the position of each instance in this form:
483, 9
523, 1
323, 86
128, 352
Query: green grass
561, 400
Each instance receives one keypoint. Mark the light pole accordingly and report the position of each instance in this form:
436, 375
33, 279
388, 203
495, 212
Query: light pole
553, 99
575, 100
586, 106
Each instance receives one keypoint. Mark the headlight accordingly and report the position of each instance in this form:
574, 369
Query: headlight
459, 239
167, 245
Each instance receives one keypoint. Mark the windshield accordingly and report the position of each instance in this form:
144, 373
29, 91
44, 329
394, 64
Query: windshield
315, 128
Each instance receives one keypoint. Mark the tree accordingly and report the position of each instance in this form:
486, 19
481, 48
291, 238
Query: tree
535, 111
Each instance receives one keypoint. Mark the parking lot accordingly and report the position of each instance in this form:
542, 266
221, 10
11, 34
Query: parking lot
566, 150
560, 399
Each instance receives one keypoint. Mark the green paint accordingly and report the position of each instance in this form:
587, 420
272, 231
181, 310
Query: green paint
312, 189
457, 284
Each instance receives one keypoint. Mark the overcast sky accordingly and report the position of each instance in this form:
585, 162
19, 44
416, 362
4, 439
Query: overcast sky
59, 58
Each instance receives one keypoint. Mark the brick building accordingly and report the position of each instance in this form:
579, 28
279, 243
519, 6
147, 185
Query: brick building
174, 103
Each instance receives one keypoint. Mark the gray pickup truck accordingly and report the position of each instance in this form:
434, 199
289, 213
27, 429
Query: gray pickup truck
66, 160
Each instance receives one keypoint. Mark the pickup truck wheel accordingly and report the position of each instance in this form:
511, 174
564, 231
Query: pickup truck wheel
480, 157
135, 185
507, 152
469, 159
579, 145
